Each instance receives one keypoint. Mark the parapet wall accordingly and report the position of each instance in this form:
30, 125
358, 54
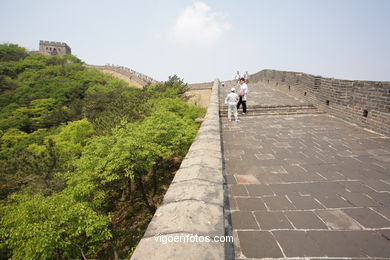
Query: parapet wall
365, 103
138, 79
193, 204
199, 93
201, 86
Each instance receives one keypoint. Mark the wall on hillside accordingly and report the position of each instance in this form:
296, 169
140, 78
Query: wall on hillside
365, 103
194, 203
132, 77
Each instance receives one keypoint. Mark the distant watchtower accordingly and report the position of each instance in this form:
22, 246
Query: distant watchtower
54, 48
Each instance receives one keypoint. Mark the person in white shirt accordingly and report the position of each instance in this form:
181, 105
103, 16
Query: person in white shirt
237, 77
242, 93
231, 100
246, 76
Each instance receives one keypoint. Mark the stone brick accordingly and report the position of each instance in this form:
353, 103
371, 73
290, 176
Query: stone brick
333, 201
195, 190
368, 218
259, 244
188, 217
278, 203
305, 220
250, 204
237, 190
370, 242
149, 248
305, 202
335, 244
359, 199
338, 220
297, 244
272, 220
244, 220
258, 190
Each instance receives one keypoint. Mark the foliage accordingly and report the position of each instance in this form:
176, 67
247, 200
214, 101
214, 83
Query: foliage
85, 159
174, 87
11, 52
40, 227
70, 140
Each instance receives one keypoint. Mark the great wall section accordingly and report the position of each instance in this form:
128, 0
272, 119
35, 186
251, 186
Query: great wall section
199, 94
304, 175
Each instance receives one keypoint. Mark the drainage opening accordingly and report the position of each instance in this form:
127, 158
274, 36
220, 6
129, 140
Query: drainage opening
365, 113
327, 102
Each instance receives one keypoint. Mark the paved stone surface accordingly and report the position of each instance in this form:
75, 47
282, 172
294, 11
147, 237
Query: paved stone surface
306, 186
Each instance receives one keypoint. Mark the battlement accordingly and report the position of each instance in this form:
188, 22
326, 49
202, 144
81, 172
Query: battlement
52, 43
54, 48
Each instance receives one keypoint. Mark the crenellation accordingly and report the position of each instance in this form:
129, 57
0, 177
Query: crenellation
54, 48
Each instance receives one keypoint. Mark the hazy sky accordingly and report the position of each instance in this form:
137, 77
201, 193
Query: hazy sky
203, 40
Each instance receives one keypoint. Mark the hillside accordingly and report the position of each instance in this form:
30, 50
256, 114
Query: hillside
85, 158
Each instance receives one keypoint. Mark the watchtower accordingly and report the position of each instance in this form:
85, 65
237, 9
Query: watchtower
54, 48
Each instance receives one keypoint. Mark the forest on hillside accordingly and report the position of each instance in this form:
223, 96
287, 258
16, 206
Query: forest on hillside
85, 159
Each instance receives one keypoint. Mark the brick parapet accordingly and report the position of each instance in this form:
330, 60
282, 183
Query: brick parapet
346, 99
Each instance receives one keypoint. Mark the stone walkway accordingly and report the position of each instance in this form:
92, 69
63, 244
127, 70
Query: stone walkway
306, 186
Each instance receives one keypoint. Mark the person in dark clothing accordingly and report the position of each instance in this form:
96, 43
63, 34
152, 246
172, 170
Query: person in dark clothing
242, 93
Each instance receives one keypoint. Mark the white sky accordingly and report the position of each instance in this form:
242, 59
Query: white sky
203, 40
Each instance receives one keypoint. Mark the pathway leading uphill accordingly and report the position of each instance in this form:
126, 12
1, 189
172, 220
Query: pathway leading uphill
304, 184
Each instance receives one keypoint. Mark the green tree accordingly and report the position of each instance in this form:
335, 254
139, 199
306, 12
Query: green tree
134, 151
56, 226
79, 146
11, 52
70, 140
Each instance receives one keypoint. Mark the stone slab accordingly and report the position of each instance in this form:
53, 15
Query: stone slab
338, 220
305, 220
368, 218
244, 220
297, 244
305, 202
335, 244
272, 220
250, 204
258, 190
370, 242
278, 203
191, 216
149, 248
259, 244
200, 190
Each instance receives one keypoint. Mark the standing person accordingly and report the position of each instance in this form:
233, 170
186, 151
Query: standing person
231, 100
246, 76
237, 77
242, 93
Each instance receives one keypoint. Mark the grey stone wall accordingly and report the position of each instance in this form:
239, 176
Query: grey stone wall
201, 86
365, 103
54, 48
138, 77
193, 204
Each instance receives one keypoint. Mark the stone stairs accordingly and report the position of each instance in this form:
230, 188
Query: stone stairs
270, 110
